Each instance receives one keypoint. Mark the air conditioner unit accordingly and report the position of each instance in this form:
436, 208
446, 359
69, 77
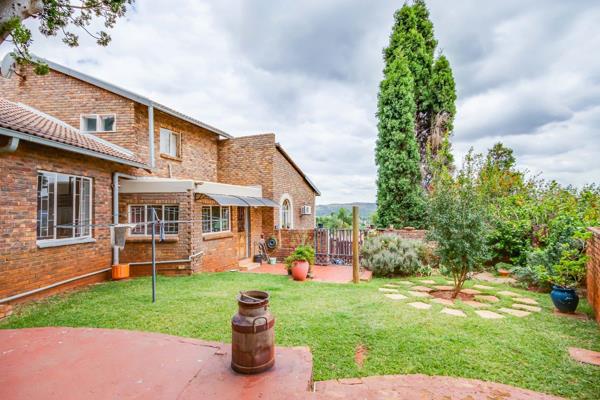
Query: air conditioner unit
305, 210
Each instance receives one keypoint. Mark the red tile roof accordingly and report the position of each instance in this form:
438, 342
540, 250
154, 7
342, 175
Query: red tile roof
24, 119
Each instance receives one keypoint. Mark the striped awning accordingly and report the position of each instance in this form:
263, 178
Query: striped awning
241, 201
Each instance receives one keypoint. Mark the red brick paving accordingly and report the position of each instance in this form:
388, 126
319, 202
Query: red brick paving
321, 273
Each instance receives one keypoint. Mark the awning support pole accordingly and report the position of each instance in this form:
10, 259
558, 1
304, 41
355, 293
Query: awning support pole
153, 255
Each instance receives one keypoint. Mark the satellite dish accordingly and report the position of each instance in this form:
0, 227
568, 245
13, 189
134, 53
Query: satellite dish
7, 66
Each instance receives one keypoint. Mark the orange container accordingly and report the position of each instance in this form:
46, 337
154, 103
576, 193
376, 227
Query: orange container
120, 271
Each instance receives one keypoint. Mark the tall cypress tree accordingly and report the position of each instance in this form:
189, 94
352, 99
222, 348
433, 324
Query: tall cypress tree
399, 195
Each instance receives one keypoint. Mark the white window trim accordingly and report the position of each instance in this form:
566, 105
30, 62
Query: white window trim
146, 234
287, 197
98, 124
42, 243
171, 132
220, 213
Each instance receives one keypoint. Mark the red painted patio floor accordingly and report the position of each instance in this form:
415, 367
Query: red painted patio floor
82, 363
321, 273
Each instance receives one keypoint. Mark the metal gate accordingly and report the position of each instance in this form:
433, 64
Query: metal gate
334, 246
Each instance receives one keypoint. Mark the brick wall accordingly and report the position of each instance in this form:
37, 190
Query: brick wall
415, 234
289, 239
593, 271
24, 266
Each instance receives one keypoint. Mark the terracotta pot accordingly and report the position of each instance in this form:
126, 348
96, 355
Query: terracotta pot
120, 271
504, 273
300, 270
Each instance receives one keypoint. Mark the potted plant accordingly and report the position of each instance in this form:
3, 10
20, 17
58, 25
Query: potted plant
300, 261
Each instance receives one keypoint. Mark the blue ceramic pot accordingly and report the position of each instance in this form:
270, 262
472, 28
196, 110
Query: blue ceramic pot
565, 299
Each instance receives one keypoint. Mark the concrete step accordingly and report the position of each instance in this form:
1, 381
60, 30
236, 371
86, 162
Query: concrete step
247, 264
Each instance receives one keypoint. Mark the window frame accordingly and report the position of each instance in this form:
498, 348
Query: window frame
98, 117
48, 242
171, 133
221, 218
290, 214
148, 232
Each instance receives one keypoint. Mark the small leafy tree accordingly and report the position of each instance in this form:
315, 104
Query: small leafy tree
458, 222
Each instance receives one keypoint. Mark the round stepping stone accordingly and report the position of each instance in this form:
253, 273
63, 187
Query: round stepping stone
513, 312
470, 291
387, 290
443, 287
509, 293
395, 296
445, 302
475, 304
483, 287
428, 282
418, 294
420, 306
527, 307
488, 314
525, 300
454, 312
421, 289
488, 299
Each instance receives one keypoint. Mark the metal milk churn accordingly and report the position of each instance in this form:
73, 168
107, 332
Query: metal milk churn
253, 334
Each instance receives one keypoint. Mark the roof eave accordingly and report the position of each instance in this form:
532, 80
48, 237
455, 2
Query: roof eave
297, 168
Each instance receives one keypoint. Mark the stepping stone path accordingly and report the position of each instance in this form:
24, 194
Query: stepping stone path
488, 299
483, 287
585, 356
420, 306
526, 307
395, 296
406, 283
421, 289
450, 282
445, 302
509, 293
418, 294
454, 312
470, 291
475, 304
575, 315
525, 300
386, 290
442, 287
428, 282
391, 285
513, 312
488, 314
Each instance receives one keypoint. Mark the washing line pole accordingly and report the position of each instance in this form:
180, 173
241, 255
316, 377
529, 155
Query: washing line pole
153, 255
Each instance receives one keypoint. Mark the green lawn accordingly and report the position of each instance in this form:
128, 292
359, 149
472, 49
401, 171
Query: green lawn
333, 320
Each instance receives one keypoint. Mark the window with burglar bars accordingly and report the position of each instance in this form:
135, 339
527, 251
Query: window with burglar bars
142, 214
215, 219
64, 206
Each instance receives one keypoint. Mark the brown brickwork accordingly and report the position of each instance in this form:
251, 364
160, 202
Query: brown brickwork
289, 239
593, 271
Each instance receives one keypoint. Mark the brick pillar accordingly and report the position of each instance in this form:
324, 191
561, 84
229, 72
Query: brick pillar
593, 271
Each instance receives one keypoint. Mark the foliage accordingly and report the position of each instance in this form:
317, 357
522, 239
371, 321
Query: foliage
55, 16
301, 253
388, 255
340, 220
458, 222
424, 270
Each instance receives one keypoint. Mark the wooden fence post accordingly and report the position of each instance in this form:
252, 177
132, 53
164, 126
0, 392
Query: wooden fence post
355, 238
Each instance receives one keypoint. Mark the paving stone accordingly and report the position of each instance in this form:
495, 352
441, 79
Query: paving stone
475, 304
395, 296
525, 300
450, 282
487, 298
443, 287
526, 307
585, 356
575, 315
391, 285
470, 291
421, 289
420, 306
509, 293
406, 283
488, 314
483, 287
516, 313
418, 294
454, 312
445, 302
428, 282
388, 290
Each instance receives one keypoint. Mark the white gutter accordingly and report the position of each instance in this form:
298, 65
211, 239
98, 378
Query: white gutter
151, 134
116, 176
12, 145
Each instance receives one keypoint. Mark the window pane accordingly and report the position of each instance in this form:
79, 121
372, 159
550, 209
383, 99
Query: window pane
171, 214
174, 145
45, 206
90, 124
225, 218
137, 216
165, 136
205, 219
64, 206
215, 218
108, 123
149, 218
86, 212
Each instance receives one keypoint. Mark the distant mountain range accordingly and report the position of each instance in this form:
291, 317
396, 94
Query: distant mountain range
366, 209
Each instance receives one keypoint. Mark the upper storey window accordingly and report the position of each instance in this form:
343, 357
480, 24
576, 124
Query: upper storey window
98, 122
169, 143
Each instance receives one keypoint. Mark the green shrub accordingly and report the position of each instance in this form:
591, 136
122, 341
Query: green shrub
301, 253
388, 255
424, 270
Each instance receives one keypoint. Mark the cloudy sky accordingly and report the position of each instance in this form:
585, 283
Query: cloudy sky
527, 74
